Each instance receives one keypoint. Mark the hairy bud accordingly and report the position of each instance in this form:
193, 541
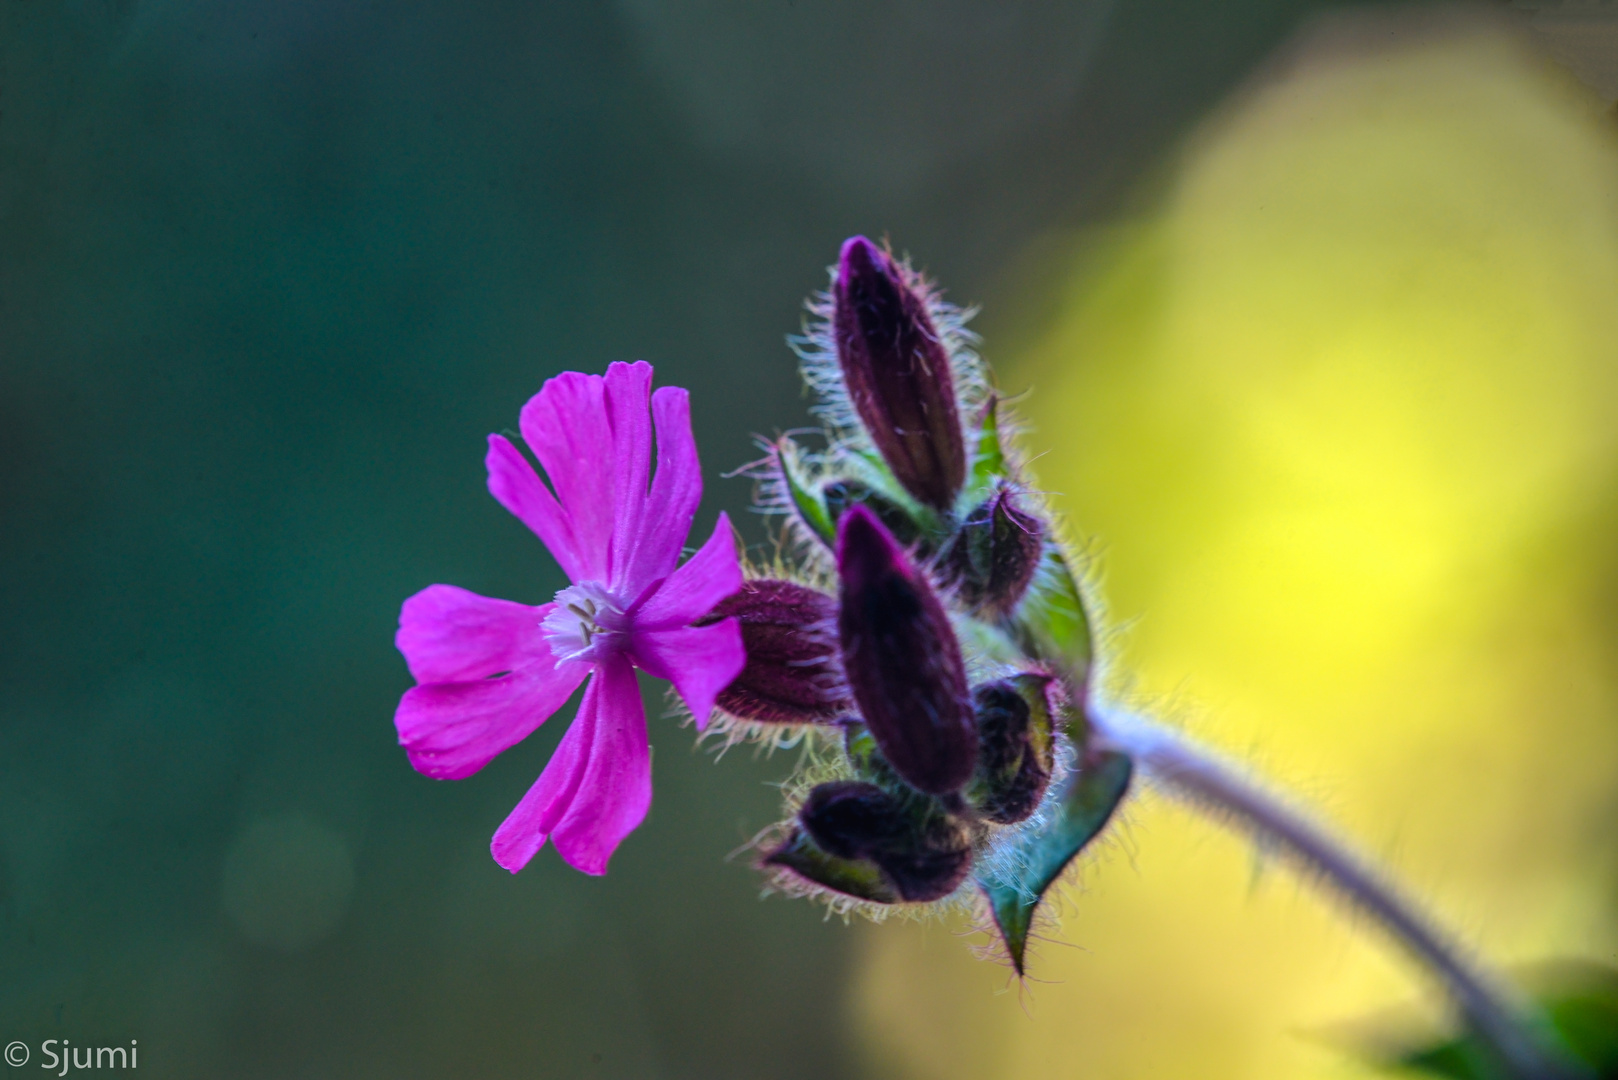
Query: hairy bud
1016, 748
898, 373
901, 659
790, 634
859, 878
924, 853
995, 554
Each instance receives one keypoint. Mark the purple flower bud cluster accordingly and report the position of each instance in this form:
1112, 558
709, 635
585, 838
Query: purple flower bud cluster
931, 641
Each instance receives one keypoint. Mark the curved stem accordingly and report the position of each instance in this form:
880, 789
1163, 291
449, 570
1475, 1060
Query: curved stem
1204, 779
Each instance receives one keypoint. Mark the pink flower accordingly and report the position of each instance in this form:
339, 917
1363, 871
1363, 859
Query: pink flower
491, 671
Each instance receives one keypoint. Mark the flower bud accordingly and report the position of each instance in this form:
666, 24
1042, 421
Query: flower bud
1015, 748
995, 554
901, 659
924, 853
790, 634
898, 374
859, 878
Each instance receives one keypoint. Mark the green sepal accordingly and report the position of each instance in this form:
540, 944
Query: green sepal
839, 493
924, 811
869, 764
990, 641
1042, 726
807, 504
1076, 814
988, 457
1051, 619
865, 468
859, 878
860, 745
866, 478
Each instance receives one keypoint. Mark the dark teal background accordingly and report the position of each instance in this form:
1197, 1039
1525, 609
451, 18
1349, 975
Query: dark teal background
269, 273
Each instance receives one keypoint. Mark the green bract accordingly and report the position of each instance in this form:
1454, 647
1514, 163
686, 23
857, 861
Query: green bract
1078, 810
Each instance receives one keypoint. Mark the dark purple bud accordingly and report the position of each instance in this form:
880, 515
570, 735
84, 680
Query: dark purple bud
929, 870
901, 659
790, 634
923, 852
1016, 749
995, 554
898, 372
853, 819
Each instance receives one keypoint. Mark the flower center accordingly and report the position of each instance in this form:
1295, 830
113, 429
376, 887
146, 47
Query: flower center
586, 622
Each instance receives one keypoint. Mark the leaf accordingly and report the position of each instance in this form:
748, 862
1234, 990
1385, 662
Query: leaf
1582, 1020
1081, 809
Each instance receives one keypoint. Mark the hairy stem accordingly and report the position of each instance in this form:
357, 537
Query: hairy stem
1205, 780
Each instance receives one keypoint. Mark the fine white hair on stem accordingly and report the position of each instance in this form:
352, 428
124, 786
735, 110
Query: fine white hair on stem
1222, 789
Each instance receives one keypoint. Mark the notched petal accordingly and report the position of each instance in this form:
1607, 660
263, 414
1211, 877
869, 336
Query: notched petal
448, 634
451, 730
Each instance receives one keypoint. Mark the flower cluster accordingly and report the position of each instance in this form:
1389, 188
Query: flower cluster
933, 644
930, 644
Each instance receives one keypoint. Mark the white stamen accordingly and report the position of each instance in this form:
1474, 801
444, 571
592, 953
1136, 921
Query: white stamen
586, 620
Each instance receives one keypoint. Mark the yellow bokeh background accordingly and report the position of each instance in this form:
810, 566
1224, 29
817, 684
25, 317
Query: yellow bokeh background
1337, 419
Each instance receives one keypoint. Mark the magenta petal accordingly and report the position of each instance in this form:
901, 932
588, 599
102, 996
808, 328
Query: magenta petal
627, 390
598, 786
450, 730
654, 549
567, 427
696, 588
526, 828
616, 790
699, 660
449, 634
513, 482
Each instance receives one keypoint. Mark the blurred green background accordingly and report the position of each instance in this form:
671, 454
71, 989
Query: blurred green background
1323, 349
